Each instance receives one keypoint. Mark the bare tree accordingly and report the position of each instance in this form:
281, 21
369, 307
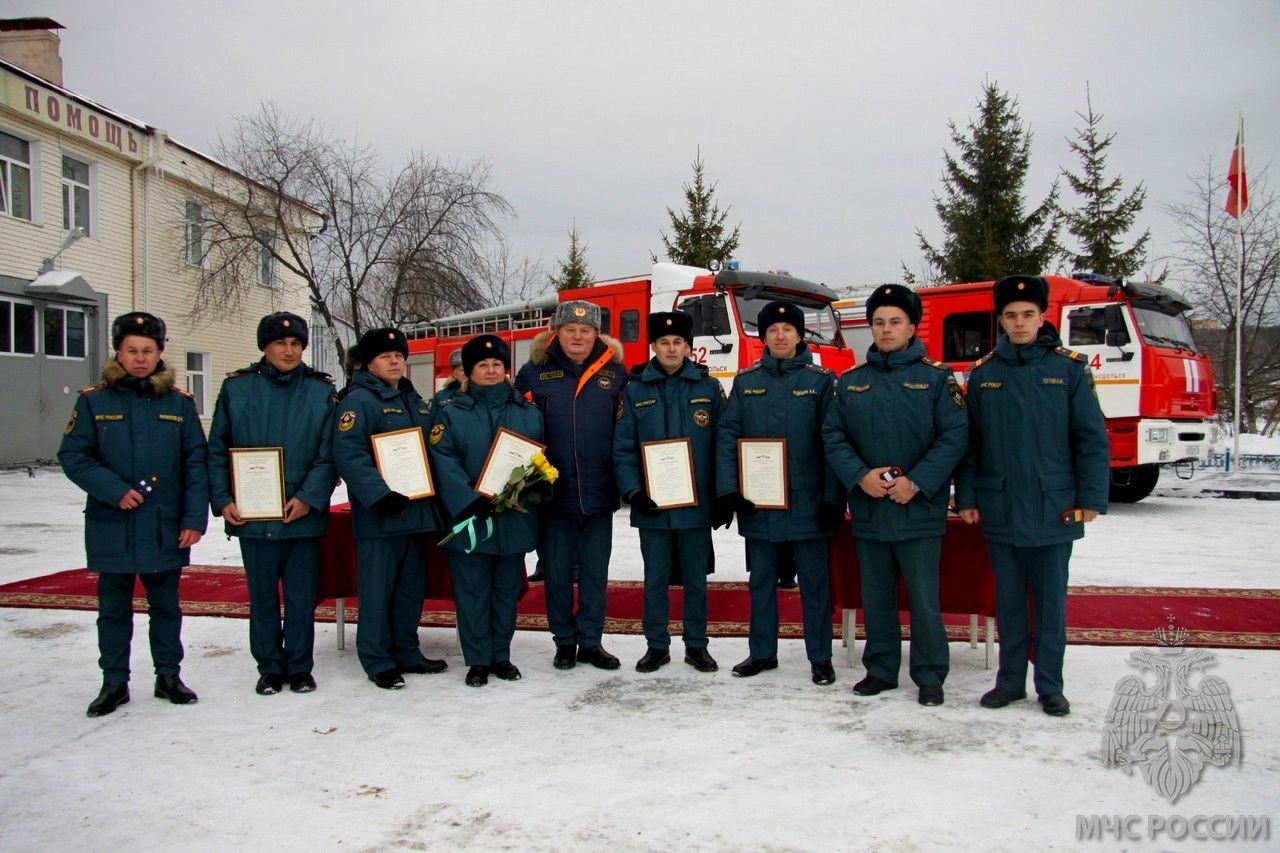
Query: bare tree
1206, 259
506, 279
394, 246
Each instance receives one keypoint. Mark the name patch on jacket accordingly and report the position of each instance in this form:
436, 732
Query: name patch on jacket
754, 392
804, 392
640, 404
858, 388
1051, 380
991, 384
177, 419
916, 386
551, 374
108, 417
392, 410
700, 400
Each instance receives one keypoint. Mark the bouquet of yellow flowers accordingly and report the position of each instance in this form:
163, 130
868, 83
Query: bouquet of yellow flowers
520, 491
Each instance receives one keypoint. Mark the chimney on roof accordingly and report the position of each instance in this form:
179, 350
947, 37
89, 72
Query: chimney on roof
32, 44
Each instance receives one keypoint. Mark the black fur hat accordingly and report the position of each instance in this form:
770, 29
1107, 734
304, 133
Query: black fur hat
375, 342
663, 323
1021, 288
895, 296
780, 312
138, 323
281, 324
481, 347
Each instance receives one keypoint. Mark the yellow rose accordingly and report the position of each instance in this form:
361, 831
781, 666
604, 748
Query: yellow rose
539, 459
550, 473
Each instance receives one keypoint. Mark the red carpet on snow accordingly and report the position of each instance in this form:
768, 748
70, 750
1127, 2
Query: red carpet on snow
1096, 615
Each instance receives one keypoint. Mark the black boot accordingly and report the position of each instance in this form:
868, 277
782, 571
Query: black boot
566, 656
269, 684
752, 666
597, 657
478, 676
112, 696
700, 659
653, 658
171, 687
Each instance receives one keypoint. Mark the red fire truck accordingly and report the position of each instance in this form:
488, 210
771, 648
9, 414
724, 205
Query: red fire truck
1155, 386
723, 305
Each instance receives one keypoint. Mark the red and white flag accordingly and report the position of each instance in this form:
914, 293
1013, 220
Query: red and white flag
1238, 196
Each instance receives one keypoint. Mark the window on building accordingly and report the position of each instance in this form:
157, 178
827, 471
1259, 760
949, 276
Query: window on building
266, 257
1088, 327
17, 327
15, 176
195, 233
966, 337
629, 326
75, 194
605, 319
64, 332
198, 385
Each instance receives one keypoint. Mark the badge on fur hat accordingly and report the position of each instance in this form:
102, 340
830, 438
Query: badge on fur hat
437, 433
346, 421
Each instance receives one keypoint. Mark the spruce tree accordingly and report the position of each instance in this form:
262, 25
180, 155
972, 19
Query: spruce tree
987, 233
698, 234
1104, 215
574, 272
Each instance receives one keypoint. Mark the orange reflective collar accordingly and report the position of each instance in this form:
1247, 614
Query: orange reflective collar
605, 358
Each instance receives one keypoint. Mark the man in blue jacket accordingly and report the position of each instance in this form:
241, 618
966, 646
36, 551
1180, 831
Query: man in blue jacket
278, 402
1037, 469
671, 397
575, 377
783, 395
135, 446
894, 435
389, 527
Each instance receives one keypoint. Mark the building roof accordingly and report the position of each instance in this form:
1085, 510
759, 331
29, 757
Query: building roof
13, 25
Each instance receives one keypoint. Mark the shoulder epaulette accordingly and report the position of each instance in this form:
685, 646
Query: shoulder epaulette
820, 369
97, 387
754, 366
1072, 354
937, 364
232, 374
983, 360
184, 392
319, 374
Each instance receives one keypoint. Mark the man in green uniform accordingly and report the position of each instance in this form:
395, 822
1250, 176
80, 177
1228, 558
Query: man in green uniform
278, 402
1037, 467
135, 446
894, 435
671, 397
389, 527
783, 395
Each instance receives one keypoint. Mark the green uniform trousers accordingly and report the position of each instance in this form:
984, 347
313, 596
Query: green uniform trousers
270, 566
115, 622
915, 561
1044, 569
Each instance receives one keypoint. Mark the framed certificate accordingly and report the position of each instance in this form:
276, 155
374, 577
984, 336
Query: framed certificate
509, 451
668, 472
762, 472
401, 458
257, 482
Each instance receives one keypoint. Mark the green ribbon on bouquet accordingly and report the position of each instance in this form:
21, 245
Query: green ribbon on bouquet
469, 525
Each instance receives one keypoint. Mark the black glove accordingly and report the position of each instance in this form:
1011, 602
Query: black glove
638, 499
830, 515
392, 503
732, 502
481, 508
721, 515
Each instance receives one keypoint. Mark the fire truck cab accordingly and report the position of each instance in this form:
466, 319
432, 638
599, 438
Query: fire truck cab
1155, 386
723, 305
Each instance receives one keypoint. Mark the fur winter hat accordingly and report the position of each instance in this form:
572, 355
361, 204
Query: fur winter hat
138, 323
375, 342
281, 324
895, 296
1021, 288
780, 312
481, 347
663, 323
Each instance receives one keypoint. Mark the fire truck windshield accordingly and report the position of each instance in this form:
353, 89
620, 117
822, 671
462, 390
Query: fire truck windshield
1163, 328
820, 323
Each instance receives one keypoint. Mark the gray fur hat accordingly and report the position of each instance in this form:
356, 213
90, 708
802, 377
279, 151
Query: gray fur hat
577, 311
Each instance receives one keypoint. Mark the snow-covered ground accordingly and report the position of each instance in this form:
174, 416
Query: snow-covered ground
593, 760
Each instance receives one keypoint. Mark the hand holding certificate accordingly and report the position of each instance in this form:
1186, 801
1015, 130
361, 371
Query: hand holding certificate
762, 472
509, 451
257, 482
668, 473
401, 457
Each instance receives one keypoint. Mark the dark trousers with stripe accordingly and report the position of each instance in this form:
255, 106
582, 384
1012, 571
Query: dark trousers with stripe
291, 566
1044, 570
916, 562
115, 622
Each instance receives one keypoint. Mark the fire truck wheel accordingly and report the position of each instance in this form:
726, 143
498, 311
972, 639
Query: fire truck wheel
1130, 485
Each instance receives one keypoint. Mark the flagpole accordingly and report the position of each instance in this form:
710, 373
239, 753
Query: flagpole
1239, 377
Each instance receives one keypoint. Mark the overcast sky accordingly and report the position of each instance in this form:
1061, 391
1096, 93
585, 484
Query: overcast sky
824, 124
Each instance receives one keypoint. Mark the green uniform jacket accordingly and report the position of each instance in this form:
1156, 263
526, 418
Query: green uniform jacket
897, 409
781, 399
259, 406
658, 407
1037, 442
371, 406
126, 432
460, 440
